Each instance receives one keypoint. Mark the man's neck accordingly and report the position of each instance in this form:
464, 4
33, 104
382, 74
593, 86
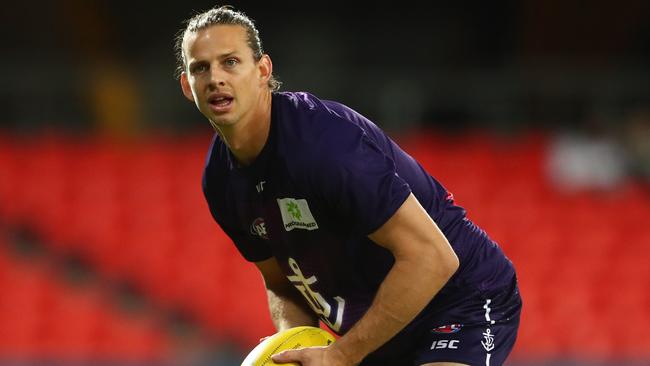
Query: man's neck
247, 138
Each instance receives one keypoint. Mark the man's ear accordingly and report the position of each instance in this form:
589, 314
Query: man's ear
265, 67
185, 85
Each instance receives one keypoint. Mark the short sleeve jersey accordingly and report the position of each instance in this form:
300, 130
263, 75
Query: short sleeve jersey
326, 178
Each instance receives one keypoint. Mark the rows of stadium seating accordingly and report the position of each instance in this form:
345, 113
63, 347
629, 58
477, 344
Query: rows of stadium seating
135, 211
42, 317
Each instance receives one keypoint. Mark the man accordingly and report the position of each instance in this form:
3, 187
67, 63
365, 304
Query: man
344, 226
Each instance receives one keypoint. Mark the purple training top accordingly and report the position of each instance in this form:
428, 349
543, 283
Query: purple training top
326, 178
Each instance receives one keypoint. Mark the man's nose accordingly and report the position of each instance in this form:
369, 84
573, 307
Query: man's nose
217, 76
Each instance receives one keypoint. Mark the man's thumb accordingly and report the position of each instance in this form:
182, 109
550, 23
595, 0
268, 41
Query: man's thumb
287, 356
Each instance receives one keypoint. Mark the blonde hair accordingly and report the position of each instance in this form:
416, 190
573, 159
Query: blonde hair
222, 15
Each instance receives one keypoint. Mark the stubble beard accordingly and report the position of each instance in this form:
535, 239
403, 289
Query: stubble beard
218, 123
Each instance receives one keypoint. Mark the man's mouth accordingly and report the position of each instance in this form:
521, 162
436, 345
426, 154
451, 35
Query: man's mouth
220, 103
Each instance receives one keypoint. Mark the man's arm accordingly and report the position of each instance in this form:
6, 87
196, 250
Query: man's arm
424, 262
288, 308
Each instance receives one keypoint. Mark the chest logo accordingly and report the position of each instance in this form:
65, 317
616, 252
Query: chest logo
296, 214
260, 186
258, 228
322, 307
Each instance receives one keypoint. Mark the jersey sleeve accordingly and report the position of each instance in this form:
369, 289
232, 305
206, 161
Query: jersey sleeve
253, 250
357, 180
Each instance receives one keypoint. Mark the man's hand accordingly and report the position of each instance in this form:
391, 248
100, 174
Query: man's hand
313, 356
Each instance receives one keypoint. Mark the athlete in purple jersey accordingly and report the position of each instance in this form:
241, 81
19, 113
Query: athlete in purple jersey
323, 202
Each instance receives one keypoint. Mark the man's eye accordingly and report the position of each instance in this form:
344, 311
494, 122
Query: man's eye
231, 62
199, 69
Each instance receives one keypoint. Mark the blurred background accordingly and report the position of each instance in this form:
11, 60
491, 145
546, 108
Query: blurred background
534, 113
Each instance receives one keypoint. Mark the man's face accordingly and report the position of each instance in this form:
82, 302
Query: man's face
222, 77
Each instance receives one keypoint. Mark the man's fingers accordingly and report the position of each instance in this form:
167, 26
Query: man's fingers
287, 356
263, 339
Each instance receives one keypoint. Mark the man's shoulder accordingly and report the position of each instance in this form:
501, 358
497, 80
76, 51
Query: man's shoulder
311, 123
297, 100
309, 130
308, 104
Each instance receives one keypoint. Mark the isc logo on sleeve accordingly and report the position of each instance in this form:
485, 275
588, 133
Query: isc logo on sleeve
296, 214
445, 343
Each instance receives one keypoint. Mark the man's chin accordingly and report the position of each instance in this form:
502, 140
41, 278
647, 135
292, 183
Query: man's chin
220, 121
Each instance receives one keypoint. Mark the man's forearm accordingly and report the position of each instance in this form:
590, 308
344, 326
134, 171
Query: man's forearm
288, 311
406, 290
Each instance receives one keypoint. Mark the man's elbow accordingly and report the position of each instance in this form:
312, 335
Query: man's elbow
444, 262
451, 263
441, 264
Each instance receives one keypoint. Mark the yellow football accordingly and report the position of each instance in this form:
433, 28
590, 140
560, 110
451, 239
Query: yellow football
293, 338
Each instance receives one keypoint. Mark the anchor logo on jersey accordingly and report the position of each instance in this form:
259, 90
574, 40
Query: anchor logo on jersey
488, 342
